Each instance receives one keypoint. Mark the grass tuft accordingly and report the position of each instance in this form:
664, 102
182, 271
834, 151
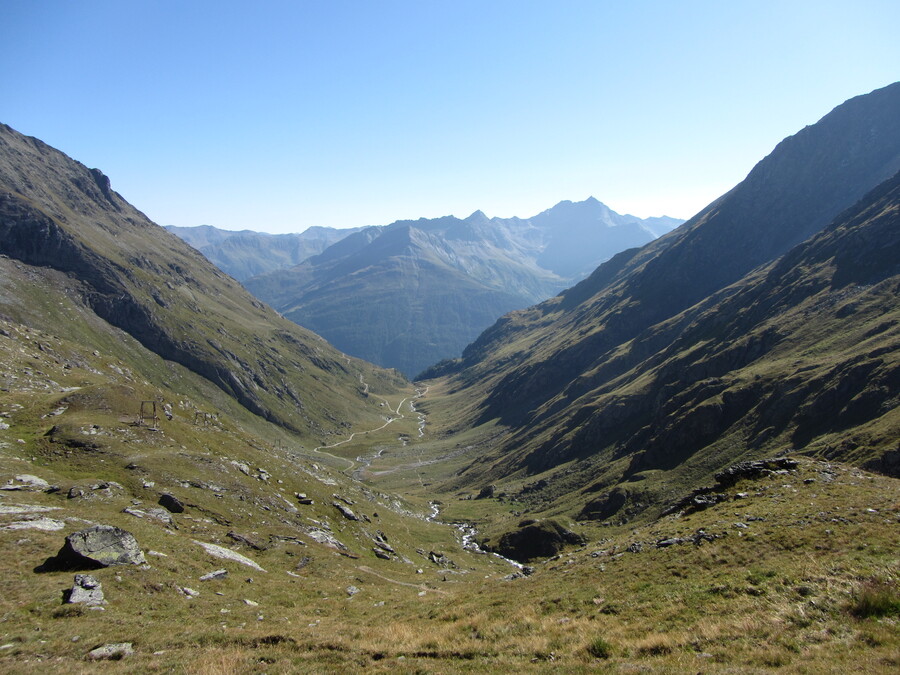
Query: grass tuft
599, 648
876, 598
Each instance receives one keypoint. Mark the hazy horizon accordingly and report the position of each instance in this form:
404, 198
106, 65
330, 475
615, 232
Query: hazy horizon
348, 114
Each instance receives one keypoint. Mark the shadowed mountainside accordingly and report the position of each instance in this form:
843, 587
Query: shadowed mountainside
666, 358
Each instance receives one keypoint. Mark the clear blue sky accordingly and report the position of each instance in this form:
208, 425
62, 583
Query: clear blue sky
276, 116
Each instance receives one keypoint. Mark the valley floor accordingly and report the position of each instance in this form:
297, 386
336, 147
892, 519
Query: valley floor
796, 571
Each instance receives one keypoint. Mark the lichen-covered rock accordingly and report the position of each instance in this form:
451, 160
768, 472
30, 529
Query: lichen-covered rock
111, 652
100, 546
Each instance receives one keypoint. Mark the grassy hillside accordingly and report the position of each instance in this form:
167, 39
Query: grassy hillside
608, 400
55, 213
298, 510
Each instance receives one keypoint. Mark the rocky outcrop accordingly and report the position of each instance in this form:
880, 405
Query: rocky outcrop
534, 539
704, 497
114, 651
26, 482
96, 547
86, 590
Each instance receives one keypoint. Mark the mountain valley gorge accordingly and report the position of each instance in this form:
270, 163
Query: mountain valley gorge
412, 293
574, 442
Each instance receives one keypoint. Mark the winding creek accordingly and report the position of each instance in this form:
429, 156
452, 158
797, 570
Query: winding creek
466, 532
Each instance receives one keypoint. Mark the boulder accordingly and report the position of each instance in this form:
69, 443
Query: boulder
99, 546
111, 652
535, 539
86, 590
345, 511
171, 503
487, 492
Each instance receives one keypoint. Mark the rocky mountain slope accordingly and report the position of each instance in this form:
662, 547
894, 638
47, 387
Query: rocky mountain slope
171, 442
246, 253
416, 292
152, 521
669, 361
112, 262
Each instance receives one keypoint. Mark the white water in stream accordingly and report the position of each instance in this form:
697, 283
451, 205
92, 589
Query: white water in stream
467, 534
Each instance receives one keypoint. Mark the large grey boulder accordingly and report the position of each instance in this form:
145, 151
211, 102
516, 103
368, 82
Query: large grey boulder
25, 481
100, 546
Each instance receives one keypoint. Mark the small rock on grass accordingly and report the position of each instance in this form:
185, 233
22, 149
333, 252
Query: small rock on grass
111, 652
171, 503
87, 589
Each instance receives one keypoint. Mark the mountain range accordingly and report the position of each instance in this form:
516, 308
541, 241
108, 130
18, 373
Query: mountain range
765, 324
687, 461
245, 253
412, 293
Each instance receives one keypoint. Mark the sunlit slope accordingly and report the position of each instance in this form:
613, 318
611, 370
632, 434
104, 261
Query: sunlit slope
56, 213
